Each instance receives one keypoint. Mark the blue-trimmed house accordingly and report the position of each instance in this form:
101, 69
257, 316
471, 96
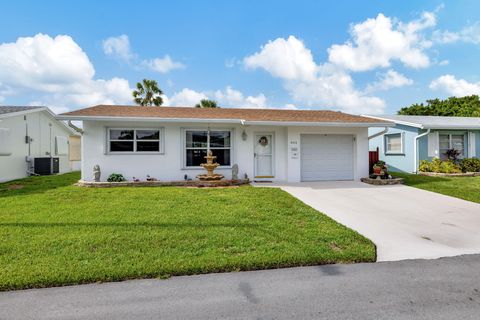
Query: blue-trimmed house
416, 138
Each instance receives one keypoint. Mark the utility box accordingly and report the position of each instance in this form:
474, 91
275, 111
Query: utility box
46, 166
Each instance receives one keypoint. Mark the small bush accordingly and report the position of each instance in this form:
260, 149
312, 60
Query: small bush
470, 165
116, 177
437, 165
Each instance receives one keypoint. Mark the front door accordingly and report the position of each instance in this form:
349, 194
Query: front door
263, 155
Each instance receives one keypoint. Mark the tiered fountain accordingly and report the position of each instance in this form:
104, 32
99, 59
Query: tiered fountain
210, 166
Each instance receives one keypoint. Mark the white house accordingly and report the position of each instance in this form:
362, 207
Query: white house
267, 144
32, 142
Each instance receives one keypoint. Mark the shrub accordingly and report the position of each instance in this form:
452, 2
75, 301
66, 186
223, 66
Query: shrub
470, 165
116, 177
437, 165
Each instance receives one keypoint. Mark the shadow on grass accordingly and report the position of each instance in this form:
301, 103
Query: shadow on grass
416, 179
38, 184
125, 225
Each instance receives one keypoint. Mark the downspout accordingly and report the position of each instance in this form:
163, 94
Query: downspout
74, 127
378, 133
415, 150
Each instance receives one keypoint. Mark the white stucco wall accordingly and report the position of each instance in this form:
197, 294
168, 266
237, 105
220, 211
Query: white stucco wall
14, 166
169, 166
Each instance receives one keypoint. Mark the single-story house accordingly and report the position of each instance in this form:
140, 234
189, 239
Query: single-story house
170, 143
416, 138
33, 141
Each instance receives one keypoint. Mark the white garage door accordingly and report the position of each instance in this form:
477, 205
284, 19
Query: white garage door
326, 157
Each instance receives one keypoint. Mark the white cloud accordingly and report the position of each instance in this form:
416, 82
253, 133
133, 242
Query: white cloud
229, 98
186, 98
468, 34
59, 71
457, 87
443, 63
379, 41
284, 58
388, 80
311, 84
118, 47
162, 65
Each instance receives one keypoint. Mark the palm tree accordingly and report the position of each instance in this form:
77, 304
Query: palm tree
205, 103
148, 93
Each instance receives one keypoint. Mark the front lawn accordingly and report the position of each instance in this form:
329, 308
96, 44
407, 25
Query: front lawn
467, 188
53, 233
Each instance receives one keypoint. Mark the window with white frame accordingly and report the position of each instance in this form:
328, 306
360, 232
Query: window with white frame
451, 141
198, 142
135, 140
394, 143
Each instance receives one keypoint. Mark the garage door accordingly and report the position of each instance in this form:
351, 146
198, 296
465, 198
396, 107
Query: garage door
326, 157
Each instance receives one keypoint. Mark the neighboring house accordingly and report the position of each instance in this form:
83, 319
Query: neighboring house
169, 143
32, 141
416, 138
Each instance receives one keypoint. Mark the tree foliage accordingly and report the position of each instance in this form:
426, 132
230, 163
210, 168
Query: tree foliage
147, 93
205, 103
468, 106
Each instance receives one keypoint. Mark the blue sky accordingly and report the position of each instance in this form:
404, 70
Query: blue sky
354, 56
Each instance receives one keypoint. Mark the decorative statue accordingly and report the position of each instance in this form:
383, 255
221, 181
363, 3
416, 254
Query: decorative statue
235, 172
96, 173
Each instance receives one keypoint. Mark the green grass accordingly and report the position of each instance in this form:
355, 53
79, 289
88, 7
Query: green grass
467, 188
53, 233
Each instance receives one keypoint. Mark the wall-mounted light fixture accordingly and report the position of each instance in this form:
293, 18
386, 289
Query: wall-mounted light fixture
244, 135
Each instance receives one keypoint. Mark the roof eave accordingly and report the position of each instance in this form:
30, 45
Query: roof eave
235, 121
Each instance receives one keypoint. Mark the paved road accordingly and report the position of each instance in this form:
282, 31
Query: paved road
448, 288
404, 222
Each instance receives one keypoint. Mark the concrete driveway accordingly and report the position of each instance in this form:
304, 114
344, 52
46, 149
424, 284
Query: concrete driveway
404, 222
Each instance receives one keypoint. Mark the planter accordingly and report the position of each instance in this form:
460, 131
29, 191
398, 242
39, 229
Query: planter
182, 183
382, 182
439, 174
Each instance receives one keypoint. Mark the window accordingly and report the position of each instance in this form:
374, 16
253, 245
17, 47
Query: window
134, 140
451, 141
394, 143
198, 142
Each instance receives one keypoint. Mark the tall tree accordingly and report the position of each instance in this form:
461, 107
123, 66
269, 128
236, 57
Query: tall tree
205, 103
147, 93
468, 106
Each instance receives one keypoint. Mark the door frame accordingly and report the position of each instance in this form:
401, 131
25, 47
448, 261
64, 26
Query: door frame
255, 158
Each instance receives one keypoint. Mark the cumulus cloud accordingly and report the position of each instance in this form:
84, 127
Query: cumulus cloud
229, 98
162, 65
309, 83
378, 41
58, 70
284, 58
468, 34
388, 80
118, 47
457, 87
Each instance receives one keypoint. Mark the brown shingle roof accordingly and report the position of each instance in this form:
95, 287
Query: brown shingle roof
276, 115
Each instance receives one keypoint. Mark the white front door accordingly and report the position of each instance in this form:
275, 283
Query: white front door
264, 155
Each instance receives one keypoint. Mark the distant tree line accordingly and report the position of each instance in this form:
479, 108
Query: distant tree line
468, 106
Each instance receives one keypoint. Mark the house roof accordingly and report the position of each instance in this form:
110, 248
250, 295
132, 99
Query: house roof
11, 111
15, 109
433, 122
221, 115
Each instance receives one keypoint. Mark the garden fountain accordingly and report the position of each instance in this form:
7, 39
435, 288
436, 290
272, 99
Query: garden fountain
210, 166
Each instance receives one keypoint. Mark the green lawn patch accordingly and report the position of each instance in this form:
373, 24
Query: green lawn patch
54, 233
467, 188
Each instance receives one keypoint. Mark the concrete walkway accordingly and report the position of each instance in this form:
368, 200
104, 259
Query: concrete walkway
404, 222
448, 288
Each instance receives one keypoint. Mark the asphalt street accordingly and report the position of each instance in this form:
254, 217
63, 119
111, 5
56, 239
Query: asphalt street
446, 288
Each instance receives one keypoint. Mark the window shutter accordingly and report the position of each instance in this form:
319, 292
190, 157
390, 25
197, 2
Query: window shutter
433, 144
471, 145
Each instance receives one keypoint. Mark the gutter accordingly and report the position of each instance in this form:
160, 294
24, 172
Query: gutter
385, 130
74, 127
415, 149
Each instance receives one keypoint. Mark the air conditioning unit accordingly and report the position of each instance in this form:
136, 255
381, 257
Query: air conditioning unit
46, 166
